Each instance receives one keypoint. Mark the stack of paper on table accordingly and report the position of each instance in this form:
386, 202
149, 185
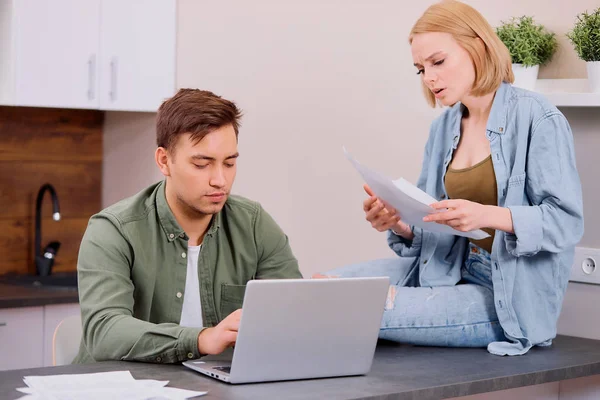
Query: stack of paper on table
411, 202
103, 385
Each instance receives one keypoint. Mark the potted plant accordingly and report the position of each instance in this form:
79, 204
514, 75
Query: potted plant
585, 37
530, 45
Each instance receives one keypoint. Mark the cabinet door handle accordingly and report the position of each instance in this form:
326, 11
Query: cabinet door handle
114, 69
2, 323
91, 77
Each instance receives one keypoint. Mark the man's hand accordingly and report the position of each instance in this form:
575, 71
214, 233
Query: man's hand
216, 339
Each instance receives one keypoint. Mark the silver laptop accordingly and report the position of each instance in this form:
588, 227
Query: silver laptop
303, 328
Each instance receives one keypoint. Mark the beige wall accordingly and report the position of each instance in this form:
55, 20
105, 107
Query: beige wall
312, 75
129, 144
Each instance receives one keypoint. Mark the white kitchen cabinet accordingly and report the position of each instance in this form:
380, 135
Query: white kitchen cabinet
97, 54
53, 315
57, 53
21, 337
137, 44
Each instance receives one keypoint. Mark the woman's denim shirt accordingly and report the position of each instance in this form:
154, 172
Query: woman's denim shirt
534, 162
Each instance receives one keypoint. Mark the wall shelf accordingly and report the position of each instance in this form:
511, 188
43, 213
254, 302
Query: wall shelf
568, 92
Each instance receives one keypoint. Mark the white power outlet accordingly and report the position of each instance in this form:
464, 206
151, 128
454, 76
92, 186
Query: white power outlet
586, 265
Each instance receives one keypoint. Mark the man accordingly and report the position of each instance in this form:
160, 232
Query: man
162, 274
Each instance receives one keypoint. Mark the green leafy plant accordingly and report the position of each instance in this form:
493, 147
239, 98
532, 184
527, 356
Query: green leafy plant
585, 36
529, 43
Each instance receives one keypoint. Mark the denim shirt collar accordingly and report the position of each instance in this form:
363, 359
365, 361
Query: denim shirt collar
497, 119
168, 221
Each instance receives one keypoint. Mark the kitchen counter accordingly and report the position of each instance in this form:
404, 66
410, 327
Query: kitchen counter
399, 372
13, 295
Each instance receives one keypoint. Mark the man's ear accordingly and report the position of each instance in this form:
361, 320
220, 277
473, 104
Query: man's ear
161, 156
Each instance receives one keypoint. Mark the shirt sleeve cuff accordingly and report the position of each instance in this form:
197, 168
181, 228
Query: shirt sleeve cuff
527, 224
405, 247
188, 344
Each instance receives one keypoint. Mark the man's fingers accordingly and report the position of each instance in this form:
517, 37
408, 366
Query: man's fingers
230, 337
232, 325
232, 322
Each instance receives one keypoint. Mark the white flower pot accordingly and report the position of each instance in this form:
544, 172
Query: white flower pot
593, 73
525, 77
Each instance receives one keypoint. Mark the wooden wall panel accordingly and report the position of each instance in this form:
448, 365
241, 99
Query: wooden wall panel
17, 238
50, 134
78, 187
43, 145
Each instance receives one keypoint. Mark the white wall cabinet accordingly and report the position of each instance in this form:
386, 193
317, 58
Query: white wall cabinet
137, 70
56, 54
95, 54
26, 334
21, 337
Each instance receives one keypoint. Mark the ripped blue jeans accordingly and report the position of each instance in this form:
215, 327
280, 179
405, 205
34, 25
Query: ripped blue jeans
453, 316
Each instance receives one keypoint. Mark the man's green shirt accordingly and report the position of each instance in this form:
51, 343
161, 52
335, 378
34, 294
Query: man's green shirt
132, 270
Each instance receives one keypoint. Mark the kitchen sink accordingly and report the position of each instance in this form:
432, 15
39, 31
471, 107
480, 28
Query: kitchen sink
61, 281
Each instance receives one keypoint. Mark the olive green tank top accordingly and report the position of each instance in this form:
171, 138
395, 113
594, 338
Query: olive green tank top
478, 184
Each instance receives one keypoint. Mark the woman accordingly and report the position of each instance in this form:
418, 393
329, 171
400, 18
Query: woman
501, 159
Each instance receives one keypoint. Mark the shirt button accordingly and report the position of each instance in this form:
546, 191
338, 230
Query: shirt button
171, 236
183, 255
425, 262
501, 129
181, 235
190, 355
158, 359
179, 295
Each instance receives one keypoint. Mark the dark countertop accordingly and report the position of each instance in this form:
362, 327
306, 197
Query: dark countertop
14, 295
399, 372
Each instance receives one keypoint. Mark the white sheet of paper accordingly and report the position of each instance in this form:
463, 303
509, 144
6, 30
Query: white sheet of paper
99, 380
411, 202
103, 385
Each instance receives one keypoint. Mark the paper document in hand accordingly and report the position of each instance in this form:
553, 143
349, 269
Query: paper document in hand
411, 202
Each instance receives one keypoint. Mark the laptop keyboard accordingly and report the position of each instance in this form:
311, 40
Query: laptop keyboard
223, 369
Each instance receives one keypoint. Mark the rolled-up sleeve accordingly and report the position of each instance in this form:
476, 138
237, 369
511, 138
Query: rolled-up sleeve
404, 247
554, 220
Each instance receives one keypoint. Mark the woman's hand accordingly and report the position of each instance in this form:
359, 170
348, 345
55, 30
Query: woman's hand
462, 215
384, 217
465, 215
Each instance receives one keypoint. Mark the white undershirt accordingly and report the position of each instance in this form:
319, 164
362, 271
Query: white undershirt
191, 312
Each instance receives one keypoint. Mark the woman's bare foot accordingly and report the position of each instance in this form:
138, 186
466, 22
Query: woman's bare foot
321, 276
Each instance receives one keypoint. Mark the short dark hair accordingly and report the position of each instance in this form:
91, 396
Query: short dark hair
194, 111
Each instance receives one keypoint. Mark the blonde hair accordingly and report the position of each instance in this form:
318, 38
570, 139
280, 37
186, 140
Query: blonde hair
470, 29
